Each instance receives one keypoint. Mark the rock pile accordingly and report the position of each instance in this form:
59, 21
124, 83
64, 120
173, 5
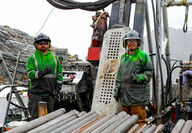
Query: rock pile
11, 42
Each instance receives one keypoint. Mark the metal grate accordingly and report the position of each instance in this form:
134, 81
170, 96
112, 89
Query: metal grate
108, 84
108, 81
113, 47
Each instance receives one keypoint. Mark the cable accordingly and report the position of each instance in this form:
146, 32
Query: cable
89, 6
14, 103
45, 21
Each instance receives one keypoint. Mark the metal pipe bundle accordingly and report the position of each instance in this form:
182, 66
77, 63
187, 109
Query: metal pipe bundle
126, 124
75, 122
87, 125
159, 128
37, 122
53, 127
133, 128
81, 123
140, 128
68, 125
109, 122
99, 123
119, 121
149, 129
53, 122
187, 127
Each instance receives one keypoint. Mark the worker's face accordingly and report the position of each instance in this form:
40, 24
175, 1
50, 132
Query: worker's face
132, 44
42, 46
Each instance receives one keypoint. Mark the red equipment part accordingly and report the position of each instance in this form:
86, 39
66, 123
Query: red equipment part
99, 28
93, 55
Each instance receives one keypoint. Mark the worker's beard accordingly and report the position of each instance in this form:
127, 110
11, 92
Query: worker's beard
43, 49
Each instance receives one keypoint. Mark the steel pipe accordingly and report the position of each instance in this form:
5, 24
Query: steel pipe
187, 127
159, 128
113, 126
54, 122
60, 129
140, 128
87, 125
108, 123
37, 122
123, 127
149, 129
79, 124
99, 123
133, 128
52, 128
178, 127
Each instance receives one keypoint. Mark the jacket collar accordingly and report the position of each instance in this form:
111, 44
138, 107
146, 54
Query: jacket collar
126, 54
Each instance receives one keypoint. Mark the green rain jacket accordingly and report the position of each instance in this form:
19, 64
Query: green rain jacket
137, 92
48, 83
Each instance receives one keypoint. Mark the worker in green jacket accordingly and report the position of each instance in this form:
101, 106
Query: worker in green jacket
45, 73
135, 71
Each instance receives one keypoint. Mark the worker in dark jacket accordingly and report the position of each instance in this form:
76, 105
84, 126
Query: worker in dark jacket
135, 71
45, 73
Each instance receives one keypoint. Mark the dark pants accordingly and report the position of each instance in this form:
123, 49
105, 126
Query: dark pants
33, 104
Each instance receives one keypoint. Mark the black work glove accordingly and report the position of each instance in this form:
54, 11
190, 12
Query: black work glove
116, 94
56, 94
42, 73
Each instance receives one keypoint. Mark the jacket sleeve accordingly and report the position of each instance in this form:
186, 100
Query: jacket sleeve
30, 68
147, 70
59, 72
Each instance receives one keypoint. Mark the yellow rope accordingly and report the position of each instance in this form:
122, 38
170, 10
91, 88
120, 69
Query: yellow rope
98, 18
181, 3
170, 2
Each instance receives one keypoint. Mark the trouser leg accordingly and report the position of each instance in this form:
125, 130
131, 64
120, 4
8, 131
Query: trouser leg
33, 105
50, 102
126, 109
136, 110
140, 112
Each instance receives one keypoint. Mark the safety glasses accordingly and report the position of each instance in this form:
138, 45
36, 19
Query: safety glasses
42, 42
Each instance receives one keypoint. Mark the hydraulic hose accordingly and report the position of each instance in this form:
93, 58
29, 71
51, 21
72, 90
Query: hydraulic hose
7, 97
89, 6
14, 103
